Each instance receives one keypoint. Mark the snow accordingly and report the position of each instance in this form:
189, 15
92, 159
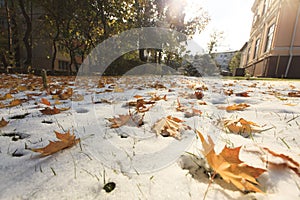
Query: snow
145, 165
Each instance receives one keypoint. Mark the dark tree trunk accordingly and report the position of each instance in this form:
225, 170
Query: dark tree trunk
55, 39
159, 56
15, 36
27, 37
9, 30
142, 55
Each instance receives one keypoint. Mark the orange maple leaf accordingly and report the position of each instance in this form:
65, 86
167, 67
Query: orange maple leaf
228, 165
235, 107
66, 140
45, 102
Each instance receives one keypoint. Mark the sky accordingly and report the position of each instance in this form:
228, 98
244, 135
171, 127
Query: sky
233, 17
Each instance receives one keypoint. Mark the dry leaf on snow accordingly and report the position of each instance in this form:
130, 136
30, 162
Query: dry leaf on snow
294, 94
6, 96
169, 126
284, 162
228, 165
242, 126
141, 105
242, 94
194, 112
50, 111
3, 122
235, 107
45, 102
66, 140
129, 119
14, 103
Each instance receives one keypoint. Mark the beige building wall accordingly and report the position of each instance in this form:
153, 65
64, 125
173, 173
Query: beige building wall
279, 57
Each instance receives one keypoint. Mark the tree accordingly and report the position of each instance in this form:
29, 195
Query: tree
215, 38
27, 36
235, 61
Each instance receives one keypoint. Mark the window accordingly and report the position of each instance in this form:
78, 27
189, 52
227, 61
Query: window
2, 3
248, 55
269, 37
63, 65
257, 43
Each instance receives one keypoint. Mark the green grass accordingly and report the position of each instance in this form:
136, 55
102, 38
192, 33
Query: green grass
257, 78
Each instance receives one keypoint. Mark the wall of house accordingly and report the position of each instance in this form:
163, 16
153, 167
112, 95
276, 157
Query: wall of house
274, 62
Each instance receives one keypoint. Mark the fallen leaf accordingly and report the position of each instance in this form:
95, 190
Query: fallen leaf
6, 96
129, 119
228, 92
50, 111
169, 126
66, 95
141, 106
66, 140
242, 94
242, 126
14, 102
45, 102
235, 107
195, 112
290, 104
157, 98
3, 122
286, 162
294, 94
199, 94
77, 97
228, 165
180, 107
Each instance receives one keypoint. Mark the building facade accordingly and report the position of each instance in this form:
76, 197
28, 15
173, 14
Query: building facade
273, 49
41, 42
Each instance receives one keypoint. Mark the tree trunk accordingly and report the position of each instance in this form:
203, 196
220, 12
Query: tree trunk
9, 31
54, 48
142, 55
159, 56
27, 37
15, 36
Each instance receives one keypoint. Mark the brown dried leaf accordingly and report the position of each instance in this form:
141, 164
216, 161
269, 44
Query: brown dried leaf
129, 119
242, 94
294, 94
287, 162
14, 102
66, 140
242, 126
45, 102
228, 165
235, 107
50, 111
3, 122
169, 126
6, 96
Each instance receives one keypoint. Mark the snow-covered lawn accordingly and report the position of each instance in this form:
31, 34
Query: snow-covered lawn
142, 163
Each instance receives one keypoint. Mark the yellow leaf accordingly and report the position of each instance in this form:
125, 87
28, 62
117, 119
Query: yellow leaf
228, 165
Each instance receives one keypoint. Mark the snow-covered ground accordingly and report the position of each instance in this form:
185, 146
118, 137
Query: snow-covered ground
142, 164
